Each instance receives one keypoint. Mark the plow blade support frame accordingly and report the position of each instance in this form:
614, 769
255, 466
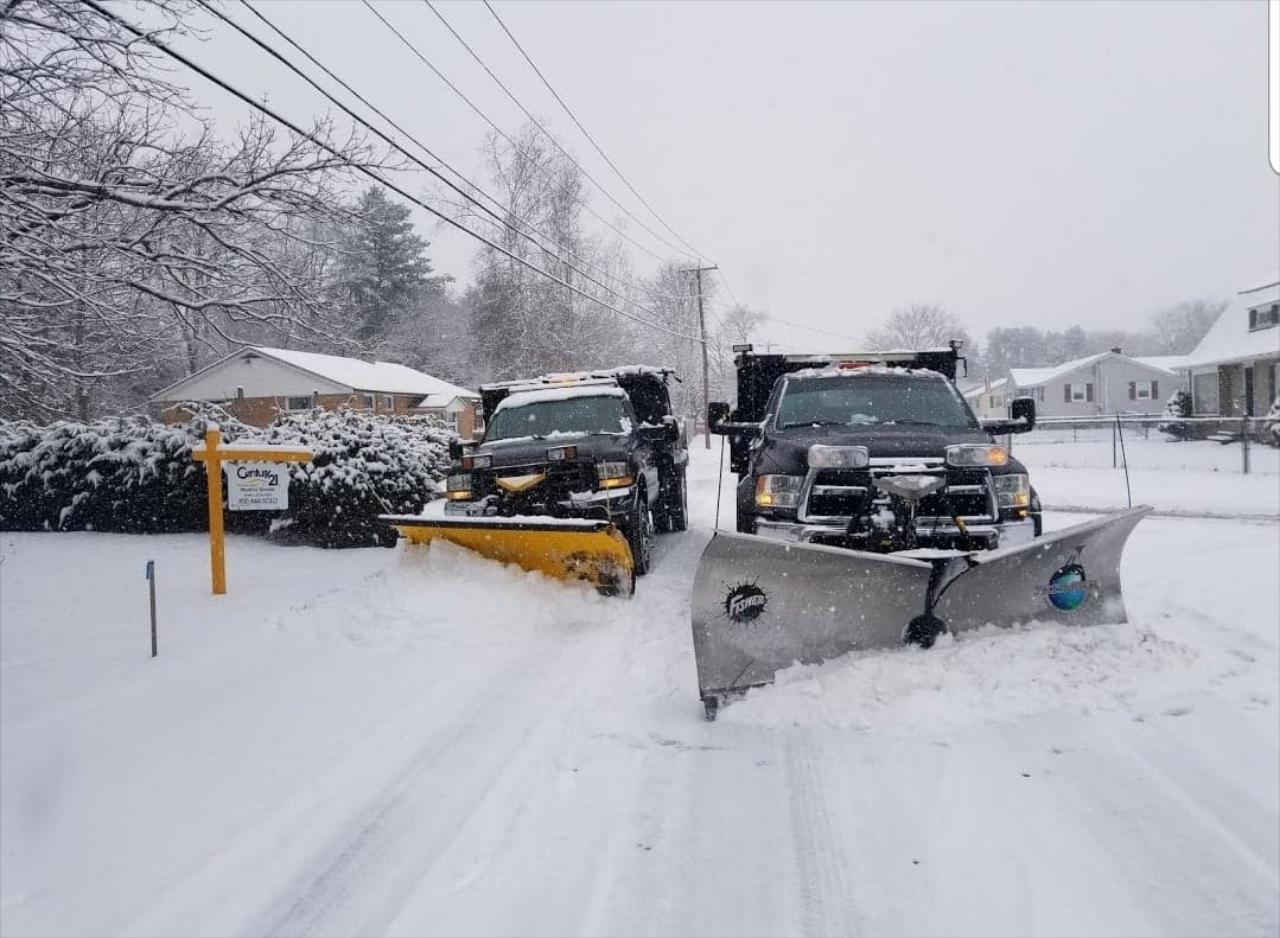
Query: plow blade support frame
566, 549
761, 605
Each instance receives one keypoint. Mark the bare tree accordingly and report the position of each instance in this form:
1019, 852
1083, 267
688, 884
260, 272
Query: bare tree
529, 323
127, 226
1179, 329
919, 326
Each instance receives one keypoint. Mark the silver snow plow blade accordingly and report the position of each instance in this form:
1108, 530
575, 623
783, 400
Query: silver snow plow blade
761, 605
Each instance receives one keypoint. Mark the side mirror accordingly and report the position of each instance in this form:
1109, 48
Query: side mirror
717, 414
1022, 419
1024, 409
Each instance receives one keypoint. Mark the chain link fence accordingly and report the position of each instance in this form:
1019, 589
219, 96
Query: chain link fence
1219, 444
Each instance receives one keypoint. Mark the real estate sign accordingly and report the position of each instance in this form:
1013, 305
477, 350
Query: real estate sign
257, 486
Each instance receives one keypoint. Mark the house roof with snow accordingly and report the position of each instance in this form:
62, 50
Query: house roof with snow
1034, 377
327, 373
979, 389
1230, 339
1170, 363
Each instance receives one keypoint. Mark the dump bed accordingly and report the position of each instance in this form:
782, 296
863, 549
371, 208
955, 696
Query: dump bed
757, 374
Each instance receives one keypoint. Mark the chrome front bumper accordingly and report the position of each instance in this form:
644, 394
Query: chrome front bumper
1001, 534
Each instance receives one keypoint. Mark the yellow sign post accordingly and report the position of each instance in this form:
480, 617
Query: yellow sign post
213, 455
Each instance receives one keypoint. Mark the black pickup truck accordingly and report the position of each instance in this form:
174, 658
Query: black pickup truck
873, 451
600, 444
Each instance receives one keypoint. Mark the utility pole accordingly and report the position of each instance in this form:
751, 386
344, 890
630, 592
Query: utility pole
702, 329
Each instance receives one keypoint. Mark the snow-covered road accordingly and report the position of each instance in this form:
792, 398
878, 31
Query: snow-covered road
418, 742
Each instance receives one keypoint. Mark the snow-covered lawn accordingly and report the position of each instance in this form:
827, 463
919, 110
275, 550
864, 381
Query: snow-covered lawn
419, 742
1192, 478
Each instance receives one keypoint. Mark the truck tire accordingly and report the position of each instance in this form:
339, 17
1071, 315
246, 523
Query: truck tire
638, 531
672, 513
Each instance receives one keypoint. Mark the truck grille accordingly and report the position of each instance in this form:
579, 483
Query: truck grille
562, 479
841, 493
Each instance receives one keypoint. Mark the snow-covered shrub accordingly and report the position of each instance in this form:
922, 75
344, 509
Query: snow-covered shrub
363, 465
134, 475
1178, 406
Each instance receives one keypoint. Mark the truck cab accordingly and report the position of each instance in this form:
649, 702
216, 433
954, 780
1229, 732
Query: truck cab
600, 444
873, 451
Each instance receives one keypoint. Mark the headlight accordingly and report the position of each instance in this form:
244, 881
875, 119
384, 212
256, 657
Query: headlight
561, 453
971, 455
776, 491
613, 475
478, 461
838, 457
1013, 491
458, 487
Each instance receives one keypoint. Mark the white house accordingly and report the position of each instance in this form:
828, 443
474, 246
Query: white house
1235, 370
989, 400
257, 383
1104, 383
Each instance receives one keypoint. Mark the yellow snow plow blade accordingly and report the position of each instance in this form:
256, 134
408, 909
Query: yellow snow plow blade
567, 549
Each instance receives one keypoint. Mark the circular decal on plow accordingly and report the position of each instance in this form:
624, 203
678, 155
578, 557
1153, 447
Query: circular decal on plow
1068, 589
745, 602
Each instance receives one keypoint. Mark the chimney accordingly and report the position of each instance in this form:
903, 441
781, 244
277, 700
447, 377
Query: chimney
1116, 349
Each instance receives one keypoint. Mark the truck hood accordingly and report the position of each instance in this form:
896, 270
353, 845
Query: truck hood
527, 451
786, 451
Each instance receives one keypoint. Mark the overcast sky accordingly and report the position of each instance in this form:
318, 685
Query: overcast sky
1019, 163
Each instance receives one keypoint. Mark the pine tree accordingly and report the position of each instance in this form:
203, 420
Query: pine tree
385, 267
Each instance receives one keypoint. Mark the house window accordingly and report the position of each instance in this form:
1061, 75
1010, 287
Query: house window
1040, 394
366, 401
1204, 390
1264, 317
298, 403
388, 402
991, 401
1144, 390
1077, 393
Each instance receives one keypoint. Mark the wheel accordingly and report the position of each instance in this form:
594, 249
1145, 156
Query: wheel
924, 630
639, 533
746, 523
674, 514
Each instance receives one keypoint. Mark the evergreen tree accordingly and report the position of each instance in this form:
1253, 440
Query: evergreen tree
385, 267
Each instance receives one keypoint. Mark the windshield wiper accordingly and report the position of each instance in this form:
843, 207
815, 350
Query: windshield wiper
825, 423
915, 423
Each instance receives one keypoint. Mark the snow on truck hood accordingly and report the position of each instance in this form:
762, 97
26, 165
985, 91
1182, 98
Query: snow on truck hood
522, 398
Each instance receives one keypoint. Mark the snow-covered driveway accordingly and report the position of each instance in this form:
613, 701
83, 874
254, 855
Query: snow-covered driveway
414, 742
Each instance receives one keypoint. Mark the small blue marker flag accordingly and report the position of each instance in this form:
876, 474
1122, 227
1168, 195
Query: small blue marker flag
151, 569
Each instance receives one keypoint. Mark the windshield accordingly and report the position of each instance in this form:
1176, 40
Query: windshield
880, 399
579, 415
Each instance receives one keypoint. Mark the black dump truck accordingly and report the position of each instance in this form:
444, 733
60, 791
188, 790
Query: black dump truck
873, 451
598, 444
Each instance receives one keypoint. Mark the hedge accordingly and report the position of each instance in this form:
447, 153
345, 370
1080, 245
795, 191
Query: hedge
133, 475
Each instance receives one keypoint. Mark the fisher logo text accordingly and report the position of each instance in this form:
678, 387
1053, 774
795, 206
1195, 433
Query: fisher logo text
745, 602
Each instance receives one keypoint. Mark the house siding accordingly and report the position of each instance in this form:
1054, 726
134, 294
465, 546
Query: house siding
1110, 378
261, 411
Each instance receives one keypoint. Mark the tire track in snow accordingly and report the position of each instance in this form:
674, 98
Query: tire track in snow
827, 906
372, 874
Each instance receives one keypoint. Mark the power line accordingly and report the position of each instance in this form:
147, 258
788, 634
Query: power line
505, 136
796, 325
497, 219
365, 170
554, 142
574, 118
